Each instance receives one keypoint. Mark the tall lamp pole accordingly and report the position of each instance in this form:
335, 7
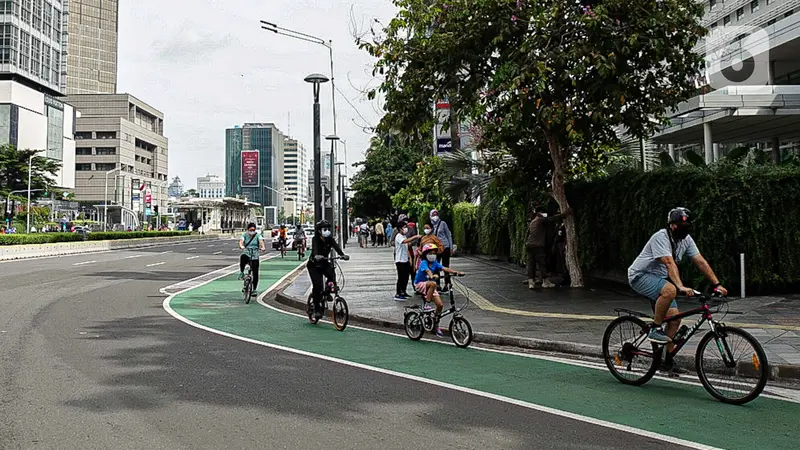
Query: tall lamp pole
331, 178
105, 199
316, 79
339, 200
30, 170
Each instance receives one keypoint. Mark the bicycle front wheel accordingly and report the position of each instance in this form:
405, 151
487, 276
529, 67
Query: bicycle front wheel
735, 369
247, 291
629, 355
340, 314
461, 332
412, 322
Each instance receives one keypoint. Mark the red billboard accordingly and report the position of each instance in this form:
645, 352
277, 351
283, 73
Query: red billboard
250, 174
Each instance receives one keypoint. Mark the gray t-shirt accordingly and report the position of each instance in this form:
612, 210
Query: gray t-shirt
659, 246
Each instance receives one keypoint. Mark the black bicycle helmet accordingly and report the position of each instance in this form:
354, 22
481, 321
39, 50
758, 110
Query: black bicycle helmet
679, 215
322, 224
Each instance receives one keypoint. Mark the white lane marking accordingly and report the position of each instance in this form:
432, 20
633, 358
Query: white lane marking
156, 264
70, 255
191, 248
85, 262
193, 257
210, 245
133, 256
164, 253
217, 253
649, 434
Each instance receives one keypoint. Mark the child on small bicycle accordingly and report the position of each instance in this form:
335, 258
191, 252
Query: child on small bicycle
425, 283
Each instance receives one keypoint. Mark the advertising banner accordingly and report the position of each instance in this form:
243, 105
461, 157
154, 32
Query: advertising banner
148, 202
250, 172
443, 141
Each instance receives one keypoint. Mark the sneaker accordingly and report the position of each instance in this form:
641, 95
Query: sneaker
399, 298
428, 307
405, 295
548, 284
254, 293
657, 335
241, 275
439, 332
318, 315
531, 284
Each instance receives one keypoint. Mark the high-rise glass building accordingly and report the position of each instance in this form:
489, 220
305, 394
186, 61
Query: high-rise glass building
90, 44
269, 141
295, 176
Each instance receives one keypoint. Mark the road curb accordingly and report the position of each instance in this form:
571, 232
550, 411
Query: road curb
778, 371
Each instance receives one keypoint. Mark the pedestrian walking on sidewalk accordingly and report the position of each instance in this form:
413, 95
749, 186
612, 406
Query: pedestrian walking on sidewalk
535, 246
379, 233
402, 262
442, 232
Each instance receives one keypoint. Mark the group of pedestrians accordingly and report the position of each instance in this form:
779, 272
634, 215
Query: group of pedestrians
375, 231
410, 248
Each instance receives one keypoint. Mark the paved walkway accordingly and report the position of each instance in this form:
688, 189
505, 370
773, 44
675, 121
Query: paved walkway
501, 304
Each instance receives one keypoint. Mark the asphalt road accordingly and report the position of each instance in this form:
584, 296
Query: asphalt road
90, 360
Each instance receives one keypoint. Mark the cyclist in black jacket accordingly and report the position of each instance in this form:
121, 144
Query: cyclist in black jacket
318, 264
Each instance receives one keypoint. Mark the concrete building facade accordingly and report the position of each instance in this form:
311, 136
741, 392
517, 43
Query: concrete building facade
90, 42
762, 109
119, 131
210, 186
269, 141
295, 176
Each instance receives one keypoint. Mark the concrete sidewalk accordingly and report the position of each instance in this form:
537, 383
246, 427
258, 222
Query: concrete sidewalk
503, 311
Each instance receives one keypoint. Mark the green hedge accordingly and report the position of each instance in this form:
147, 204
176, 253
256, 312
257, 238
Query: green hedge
465, 227
116, 235
751, 210
46, 238
38, 238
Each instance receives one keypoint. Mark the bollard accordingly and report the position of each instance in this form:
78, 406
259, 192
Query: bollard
741, 280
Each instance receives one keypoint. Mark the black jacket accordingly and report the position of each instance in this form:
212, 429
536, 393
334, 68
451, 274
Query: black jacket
322, 246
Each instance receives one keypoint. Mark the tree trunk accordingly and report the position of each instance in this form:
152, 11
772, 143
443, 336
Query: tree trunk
573, 265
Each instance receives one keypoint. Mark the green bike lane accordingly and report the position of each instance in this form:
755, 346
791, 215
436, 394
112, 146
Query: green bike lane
673, 409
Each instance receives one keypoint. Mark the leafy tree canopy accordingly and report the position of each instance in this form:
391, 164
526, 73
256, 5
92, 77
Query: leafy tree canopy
14, 171
426, 190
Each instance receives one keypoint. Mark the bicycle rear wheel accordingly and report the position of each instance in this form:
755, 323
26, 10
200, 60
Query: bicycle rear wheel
629, 356
340, 314
461, 332
412, 322
735, 370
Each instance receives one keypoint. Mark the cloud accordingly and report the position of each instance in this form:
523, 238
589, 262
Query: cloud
190, 45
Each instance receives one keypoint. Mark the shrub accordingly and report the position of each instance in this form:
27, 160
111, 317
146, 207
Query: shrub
465, 227
38, 238
116, 235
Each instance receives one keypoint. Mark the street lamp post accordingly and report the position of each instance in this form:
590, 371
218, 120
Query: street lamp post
331, 178
314, 40
316, 79
30, 170
105, 199
338, 195
160, 185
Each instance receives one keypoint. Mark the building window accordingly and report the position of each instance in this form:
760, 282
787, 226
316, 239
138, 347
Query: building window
105, 166
726, 20
47, 22
754, 6
37, 15
45, 75
788, 14
739, 14
106, 135
8, 43
83, 151
5, 124
26, 11
105, 151
83, 167
771, 22
36, 56
55, 133
83, 135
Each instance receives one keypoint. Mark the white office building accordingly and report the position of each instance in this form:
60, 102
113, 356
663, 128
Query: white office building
31, 116
754, 103
295, 176
210, 186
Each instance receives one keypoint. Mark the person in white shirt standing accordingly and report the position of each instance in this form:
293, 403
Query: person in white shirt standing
402, 262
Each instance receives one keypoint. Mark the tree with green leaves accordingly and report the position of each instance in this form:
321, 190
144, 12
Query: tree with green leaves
387, 168
14, 171
554, 77
426, 190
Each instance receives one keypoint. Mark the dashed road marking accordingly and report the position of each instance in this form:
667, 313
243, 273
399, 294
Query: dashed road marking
156, 264
84, 263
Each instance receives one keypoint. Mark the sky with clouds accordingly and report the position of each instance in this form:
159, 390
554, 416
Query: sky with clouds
208, 65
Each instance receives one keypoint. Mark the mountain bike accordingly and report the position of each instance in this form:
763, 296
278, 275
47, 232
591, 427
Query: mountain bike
247, 290
301, 249
340, 313
282, 244
712, 362
417, 319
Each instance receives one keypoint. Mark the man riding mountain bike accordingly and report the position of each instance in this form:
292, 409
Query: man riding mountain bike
318, 264
654, 274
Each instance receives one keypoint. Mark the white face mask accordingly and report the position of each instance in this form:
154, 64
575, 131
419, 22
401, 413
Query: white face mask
251, 233
435, 219
404, 231
431, 258
326, 233
543, 214
428, 231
